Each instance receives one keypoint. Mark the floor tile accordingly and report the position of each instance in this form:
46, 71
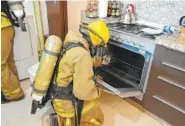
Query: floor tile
117, 112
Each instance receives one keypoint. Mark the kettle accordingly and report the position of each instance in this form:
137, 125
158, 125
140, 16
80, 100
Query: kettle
182, 21
127, 18
129, 14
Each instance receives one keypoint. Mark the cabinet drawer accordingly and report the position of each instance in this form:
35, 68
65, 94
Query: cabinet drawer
164, 69
169, 56
168, 90
164, 110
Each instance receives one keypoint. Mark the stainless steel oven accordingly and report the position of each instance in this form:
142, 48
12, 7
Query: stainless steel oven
126, 74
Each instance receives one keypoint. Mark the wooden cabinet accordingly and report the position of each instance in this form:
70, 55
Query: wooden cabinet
164, 110
165, 92
57, 18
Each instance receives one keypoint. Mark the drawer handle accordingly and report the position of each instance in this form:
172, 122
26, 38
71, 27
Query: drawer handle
171, 82
169, 104
173, 66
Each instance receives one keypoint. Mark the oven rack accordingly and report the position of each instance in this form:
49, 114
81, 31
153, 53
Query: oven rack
127, 81
126, 63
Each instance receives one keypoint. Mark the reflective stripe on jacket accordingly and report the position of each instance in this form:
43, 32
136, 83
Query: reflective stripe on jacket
5, 22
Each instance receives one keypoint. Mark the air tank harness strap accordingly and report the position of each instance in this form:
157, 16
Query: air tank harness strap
59, 92
50, 52
66, 93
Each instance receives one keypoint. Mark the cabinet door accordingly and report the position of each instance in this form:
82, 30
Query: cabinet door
25, 48
57, 14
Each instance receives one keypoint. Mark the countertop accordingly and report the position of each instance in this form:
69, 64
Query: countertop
168, 41
171, 42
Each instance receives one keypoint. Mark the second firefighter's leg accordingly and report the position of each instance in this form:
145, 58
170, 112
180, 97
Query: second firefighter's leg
11, 62
10, 85
9, 82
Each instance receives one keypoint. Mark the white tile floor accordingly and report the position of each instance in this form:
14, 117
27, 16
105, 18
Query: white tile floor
18, 113
118, 112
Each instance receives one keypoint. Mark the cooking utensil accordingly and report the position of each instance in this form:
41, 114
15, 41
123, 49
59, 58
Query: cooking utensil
182, 21
181, 37
133, 19
150, 31
127, 18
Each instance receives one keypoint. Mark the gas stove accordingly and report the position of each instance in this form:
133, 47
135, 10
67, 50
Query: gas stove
133, 36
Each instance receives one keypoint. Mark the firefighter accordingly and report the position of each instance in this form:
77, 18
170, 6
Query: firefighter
75, 73
10, 86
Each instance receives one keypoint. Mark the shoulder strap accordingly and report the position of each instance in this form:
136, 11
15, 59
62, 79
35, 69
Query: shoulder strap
71, 45
68, 47
64, 50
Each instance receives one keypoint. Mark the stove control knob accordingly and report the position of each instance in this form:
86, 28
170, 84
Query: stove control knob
122, 39
117, 37
142, 44
139, 45
131, 43
128, 42
134, 43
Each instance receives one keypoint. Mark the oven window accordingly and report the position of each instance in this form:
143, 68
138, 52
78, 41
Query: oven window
125, 68
126, 56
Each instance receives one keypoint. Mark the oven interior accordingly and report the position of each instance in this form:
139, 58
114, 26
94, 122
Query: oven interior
125, 68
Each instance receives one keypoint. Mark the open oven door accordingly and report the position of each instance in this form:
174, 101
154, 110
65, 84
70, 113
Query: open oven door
118, 86
121, 92
123, 74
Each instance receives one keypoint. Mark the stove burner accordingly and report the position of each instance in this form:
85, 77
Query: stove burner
131, 28
147, 36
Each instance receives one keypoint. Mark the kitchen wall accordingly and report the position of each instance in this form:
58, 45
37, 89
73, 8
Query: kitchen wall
28, 5
74, 8
160, 11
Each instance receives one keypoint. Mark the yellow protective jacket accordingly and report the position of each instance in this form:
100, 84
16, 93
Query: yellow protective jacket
5, 22
76, 65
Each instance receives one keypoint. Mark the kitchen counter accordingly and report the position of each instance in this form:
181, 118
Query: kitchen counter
171, 42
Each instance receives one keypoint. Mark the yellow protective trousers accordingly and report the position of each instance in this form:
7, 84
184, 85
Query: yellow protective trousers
10, 85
